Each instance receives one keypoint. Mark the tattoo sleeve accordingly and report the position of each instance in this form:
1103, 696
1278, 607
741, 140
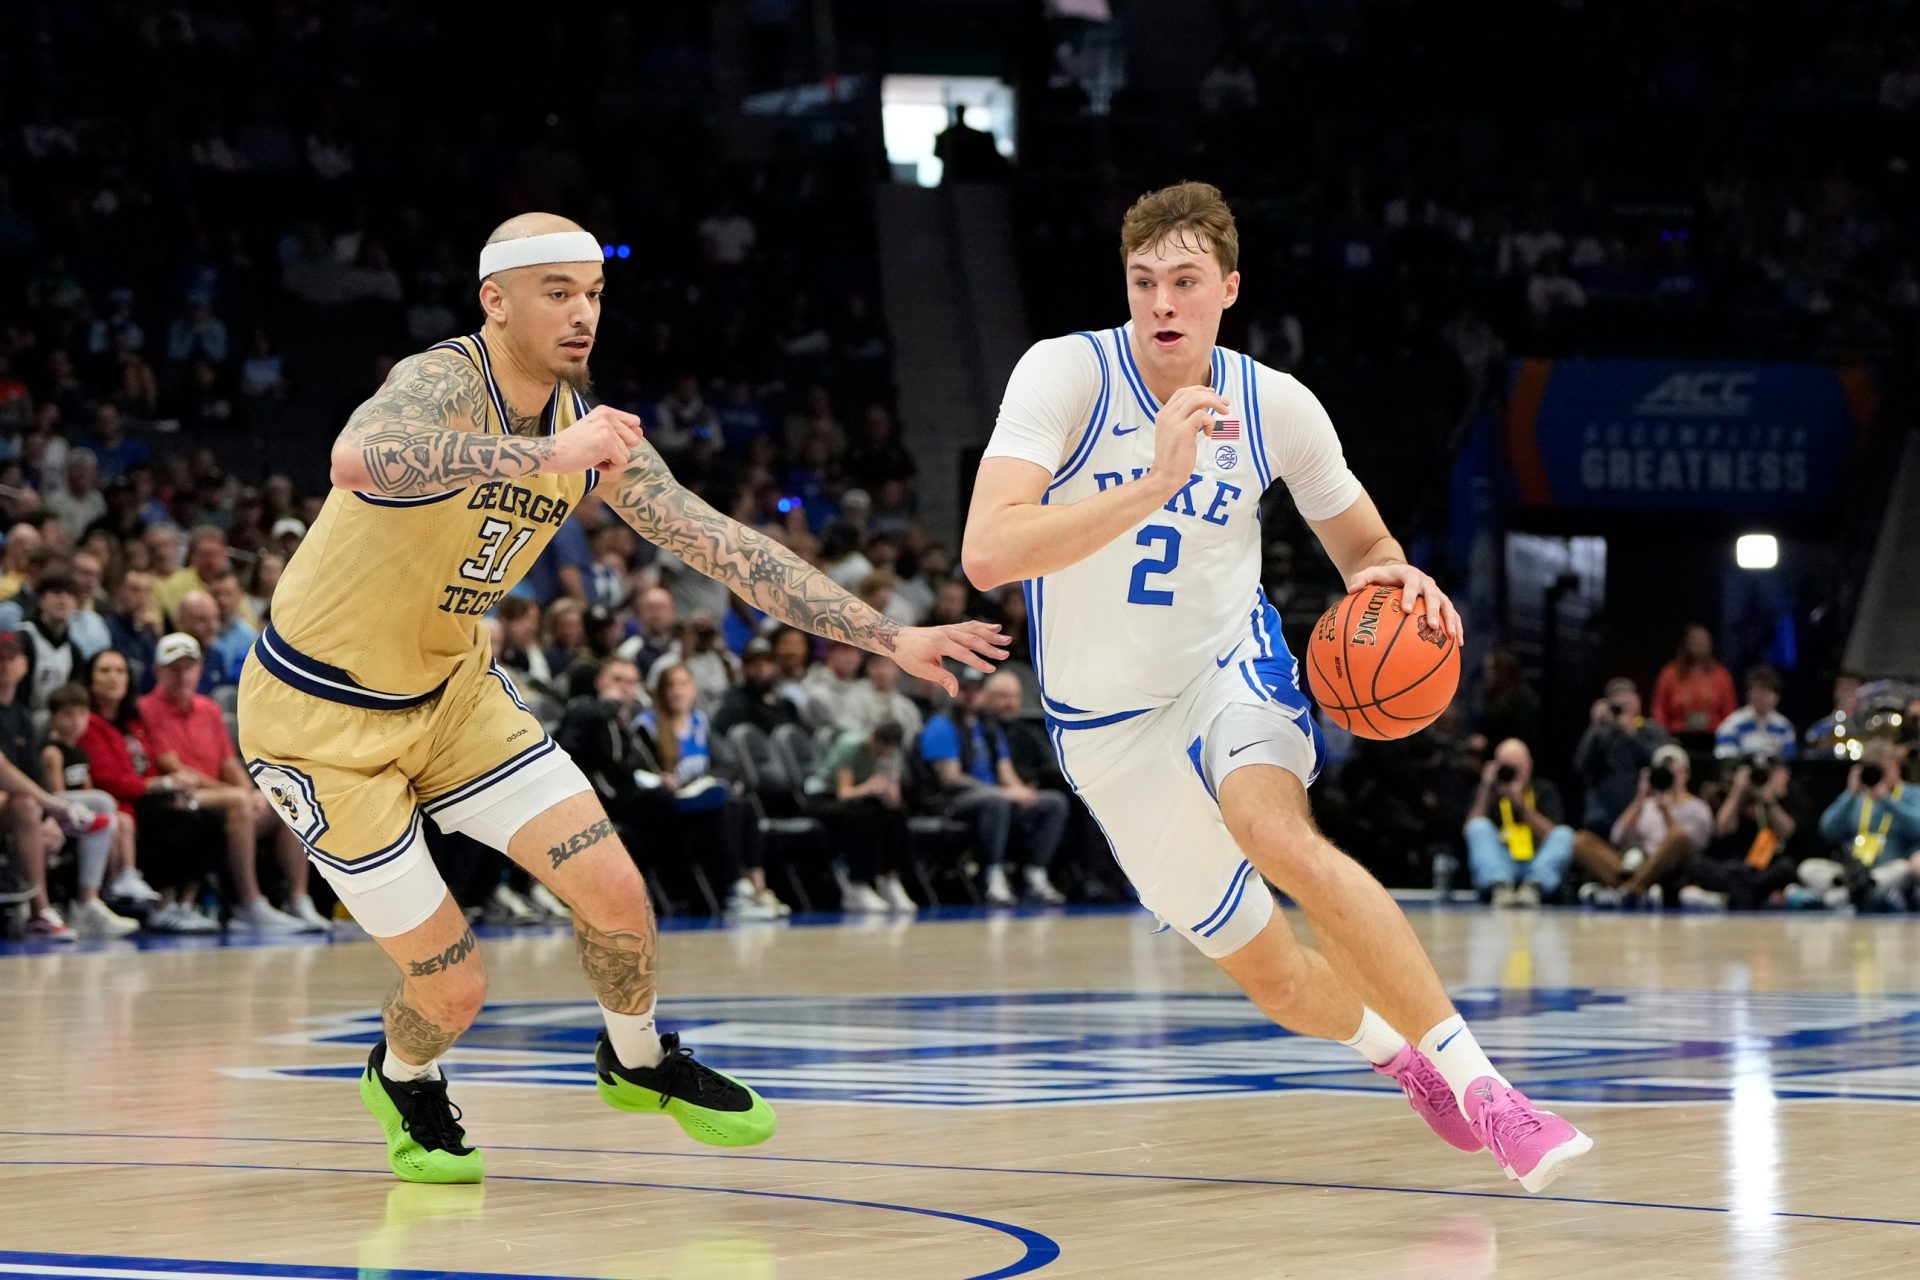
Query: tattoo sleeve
415, 1037
422, 433
759, 569
618, 964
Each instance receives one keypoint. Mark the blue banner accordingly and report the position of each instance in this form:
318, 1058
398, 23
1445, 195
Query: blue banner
1683, 435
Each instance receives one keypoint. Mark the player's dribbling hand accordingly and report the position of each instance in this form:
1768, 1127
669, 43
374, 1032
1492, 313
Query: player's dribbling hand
600, 441
1176, 433
1418, 593
919, 650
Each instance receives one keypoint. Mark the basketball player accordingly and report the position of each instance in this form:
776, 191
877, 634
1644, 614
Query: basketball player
372, 701
1122, 485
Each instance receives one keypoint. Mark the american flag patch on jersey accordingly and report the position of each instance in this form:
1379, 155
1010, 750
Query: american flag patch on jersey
1226, 429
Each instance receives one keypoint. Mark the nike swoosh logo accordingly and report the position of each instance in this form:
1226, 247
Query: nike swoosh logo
1442, 1046
1237, 750
1127, 432
1221, 662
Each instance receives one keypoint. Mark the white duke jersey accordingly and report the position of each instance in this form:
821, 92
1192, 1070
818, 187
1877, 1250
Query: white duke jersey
1177, 596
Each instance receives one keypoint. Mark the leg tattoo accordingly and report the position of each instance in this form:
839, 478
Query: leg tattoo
580, 842
411, 1034
619, 964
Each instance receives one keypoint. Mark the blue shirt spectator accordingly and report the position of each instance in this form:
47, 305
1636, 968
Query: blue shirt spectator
986, 746
741, 417
570, 549
1757, 730
229, 652
112, 447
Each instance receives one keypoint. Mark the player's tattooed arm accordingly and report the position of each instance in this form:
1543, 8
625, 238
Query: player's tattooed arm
759, 569
423, 433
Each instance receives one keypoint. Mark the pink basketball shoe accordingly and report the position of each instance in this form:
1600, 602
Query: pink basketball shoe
1532, 1146
1431, 1096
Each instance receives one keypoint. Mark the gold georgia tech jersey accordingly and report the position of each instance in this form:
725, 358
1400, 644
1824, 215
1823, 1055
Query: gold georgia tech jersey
384, 596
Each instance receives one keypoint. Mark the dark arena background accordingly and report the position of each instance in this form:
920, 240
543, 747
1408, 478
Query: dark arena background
1616, 310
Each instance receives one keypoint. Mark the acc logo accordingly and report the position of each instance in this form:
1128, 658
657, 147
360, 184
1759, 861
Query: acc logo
1227, 457
292, 794
1003, 1049
1707, 394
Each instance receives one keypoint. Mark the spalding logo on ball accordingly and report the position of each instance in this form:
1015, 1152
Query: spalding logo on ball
1377, 671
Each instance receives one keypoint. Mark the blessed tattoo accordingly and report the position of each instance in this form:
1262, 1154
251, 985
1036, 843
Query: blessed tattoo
580, 841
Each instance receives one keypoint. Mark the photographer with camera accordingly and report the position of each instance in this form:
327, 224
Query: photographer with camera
1517, 844
1660, 833
1872, 826
1615, 749
1748, 861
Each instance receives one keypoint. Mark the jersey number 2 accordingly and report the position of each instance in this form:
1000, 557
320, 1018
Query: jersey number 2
489, 564
1138, 592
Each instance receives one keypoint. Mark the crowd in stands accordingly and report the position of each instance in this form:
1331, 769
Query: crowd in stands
1697, 800
196, 287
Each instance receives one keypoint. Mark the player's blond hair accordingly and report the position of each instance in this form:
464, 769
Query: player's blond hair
1185, 210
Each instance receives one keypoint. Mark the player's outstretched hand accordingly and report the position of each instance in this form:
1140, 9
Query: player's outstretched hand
919, 650
1176, 433
600, 441
1418, 591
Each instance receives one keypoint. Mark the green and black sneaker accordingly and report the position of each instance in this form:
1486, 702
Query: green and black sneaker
712, 1108
425, 1142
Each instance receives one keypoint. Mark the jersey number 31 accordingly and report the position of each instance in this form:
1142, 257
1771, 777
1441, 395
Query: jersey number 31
489, 563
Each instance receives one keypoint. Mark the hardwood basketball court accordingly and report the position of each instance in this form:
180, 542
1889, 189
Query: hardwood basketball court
1058, 1094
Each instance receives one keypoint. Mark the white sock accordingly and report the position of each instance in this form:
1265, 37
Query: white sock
400, 1071
95, 847
635, 1041
1375, 1041
1458, 1055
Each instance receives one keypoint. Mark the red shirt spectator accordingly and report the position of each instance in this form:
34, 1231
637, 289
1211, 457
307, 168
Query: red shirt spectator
196, 733
122, 761
1694, 692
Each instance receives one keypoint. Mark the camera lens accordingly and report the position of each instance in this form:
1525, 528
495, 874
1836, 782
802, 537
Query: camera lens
1505, 773
1660, 778
1871, 775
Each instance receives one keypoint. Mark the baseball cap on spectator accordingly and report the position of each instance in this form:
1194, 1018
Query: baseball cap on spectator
1671, 754
10, 644
972, 675
758, 647
174, 646
289, 526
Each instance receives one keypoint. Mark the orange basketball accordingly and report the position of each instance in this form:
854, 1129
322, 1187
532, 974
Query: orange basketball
1377, 671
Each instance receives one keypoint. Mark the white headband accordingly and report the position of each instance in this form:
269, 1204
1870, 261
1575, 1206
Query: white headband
534, 251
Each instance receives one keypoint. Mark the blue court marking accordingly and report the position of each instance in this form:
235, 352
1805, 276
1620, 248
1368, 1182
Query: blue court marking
671, 924
90, 1264
1176, 1178
1038, 1250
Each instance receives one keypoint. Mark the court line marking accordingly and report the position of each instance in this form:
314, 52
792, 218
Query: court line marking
1039, 1250
1199, 1179
86, 1266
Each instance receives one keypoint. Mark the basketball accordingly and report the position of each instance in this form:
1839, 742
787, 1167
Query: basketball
1377, 671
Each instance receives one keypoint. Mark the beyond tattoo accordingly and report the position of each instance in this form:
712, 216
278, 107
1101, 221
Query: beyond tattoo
580, 841
412, 1035
409, 434
452, 956
750, 562
618, 964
